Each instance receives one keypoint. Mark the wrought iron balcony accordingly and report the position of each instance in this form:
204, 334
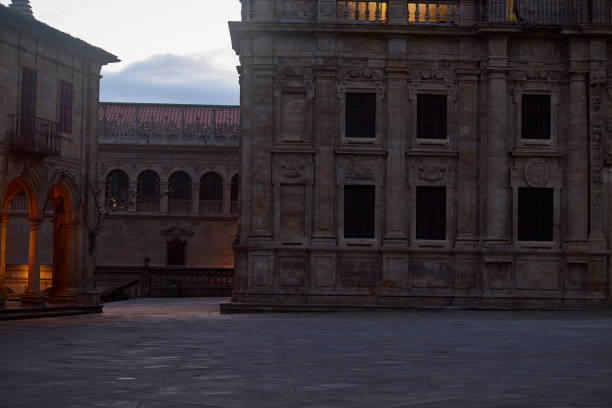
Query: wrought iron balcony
34, 135
546, 12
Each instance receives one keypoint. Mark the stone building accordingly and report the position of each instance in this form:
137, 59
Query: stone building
424, 153
168, 175
49, 85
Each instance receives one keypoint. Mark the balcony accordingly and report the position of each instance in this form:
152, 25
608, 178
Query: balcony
416, 12
34, 135
546, 12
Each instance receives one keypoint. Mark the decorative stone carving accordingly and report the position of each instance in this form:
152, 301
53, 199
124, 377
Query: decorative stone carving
536, 173
361, 73
294, 167
431, 172
360, 169
433, 74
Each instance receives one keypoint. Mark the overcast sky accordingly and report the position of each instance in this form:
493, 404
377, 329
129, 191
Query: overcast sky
172, 51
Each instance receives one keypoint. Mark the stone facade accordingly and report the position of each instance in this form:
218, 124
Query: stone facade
49, 85
200, 141
300, 60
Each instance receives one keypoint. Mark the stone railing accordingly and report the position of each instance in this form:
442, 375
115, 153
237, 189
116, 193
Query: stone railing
147, 206
179, 206
123, 283
416, 12
211, 206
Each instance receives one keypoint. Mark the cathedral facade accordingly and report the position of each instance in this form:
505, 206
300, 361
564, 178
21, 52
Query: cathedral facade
414, 154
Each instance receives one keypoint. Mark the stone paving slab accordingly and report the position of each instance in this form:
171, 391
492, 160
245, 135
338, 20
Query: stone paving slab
166, 353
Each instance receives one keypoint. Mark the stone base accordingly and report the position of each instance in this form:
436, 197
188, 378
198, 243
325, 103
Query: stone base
335, 304
65, 296
33, 298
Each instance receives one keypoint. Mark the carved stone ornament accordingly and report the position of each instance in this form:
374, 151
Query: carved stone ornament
536, 173
431, 172
292, 167
360, 73
360, 169
431, 74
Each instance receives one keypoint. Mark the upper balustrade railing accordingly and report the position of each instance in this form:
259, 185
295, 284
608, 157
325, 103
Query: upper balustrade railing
433, 12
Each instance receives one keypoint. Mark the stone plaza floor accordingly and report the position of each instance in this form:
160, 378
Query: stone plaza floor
182, 353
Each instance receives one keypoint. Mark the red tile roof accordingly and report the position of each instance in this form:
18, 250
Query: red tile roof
146, 112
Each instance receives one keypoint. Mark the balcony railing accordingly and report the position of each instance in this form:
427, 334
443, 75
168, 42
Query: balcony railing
417, 12
211, 206
546, 12
147, 206
36, 135
179, 206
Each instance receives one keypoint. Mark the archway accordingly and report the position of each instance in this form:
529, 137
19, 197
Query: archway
32, 294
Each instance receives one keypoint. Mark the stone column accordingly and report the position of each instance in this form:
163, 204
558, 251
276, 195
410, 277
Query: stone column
467, 178
163, 202
227, 205
3, 288
195, 198
576, 192
33, 295
498, 205
65, 276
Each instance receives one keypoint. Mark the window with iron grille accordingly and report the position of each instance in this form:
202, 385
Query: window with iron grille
359, 214
535, 214
360, 115
175, 251
179, 186
431, 116
431, 213
28, 92
535, 117
117, 190
66, 107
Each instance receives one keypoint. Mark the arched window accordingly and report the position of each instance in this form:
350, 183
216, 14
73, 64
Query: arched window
117, 190
179, 193
147, 196
234, 194
211, 194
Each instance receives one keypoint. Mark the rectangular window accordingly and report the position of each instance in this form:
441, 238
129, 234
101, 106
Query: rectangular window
431, 116
535, 214
360, 118
431, 213
66, 107
176, 252
359, 215
28, 92
535, 117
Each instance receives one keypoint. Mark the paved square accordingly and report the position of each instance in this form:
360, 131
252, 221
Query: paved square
183, 353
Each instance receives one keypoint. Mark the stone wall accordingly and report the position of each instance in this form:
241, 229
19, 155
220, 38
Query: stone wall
296, 160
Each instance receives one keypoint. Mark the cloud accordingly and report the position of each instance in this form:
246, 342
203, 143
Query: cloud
209, 78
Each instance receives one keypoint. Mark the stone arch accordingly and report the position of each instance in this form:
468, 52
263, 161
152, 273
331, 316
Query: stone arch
32, 294
148, 193
211, 193
66, 270
179, 192
117, 189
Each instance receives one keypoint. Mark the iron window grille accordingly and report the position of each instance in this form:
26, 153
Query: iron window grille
535, 117
359, 211
535, 214
431, 116
360, 115
431, 213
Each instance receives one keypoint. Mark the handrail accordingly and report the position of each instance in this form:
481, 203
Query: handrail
33, 134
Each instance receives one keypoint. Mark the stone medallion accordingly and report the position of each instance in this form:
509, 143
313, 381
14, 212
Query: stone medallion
536, 173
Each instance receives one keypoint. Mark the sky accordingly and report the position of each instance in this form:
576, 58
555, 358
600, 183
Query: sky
171, 51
